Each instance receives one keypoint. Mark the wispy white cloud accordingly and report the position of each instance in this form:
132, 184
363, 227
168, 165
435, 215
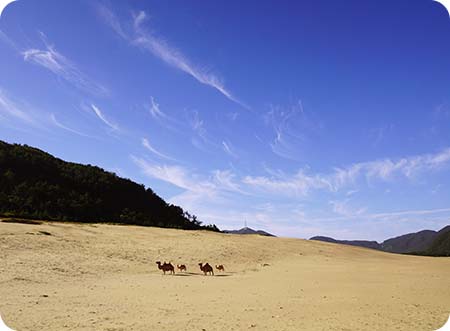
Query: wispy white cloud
62, 67
175, 58
292, 129
102, 117
201, 139
10, 109
417, 212
64, 127
216, 198
160, 48
163, 118
342, 207
233, 116
384, 216
148, 146
351, 192
277, 173
197, 124
386, 169
4, 38
111, 19
197, 189
227, 147
227, 180
301, 183
220, 180
378, 135
155, 111
175, 175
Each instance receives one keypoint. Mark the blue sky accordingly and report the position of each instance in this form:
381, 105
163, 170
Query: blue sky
302, 118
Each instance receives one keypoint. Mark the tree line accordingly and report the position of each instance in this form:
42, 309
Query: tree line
34, 184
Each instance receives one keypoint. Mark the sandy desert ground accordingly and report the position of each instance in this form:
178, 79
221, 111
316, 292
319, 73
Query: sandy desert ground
104, 277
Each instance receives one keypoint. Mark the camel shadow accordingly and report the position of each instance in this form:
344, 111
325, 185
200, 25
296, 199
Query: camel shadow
185, 274
193, 274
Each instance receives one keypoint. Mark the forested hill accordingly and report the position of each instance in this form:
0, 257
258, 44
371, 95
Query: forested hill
34, 184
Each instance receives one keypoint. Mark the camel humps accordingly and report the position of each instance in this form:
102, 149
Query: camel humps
166, 267
206, 269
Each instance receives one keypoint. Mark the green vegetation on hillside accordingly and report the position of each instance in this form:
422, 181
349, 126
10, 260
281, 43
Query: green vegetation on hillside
440, 246
34, 184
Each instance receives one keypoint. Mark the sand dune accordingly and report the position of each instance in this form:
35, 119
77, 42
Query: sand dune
104, 277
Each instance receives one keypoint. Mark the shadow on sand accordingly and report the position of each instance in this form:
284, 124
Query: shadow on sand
187, 274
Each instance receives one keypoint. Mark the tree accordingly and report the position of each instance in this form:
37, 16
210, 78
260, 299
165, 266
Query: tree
36, 184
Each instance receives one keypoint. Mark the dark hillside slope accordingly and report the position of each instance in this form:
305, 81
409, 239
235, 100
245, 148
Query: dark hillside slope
35, 184
441, 245
426, 242
411, 242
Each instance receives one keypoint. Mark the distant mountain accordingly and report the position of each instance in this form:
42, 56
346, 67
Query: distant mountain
422, 242
247, 230
411, 242
444, 230
361, 243
35, 184
440, 245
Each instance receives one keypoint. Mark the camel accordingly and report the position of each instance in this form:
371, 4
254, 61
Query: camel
206, 268
220, 267
181, 267
166, 267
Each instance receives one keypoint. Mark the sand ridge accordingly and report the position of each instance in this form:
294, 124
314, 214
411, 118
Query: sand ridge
104, 277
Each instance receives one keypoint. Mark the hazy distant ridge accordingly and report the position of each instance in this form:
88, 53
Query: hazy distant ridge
427, 242
361, 243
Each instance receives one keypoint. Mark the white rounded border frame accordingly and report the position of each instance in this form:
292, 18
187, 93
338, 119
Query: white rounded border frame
446, 326
445, 3
3, 326
5, 3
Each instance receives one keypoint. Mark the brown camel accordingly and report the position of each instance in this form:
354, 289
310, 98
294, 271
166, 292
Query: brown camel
181, 267
166, 267
206, 268
220, 267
